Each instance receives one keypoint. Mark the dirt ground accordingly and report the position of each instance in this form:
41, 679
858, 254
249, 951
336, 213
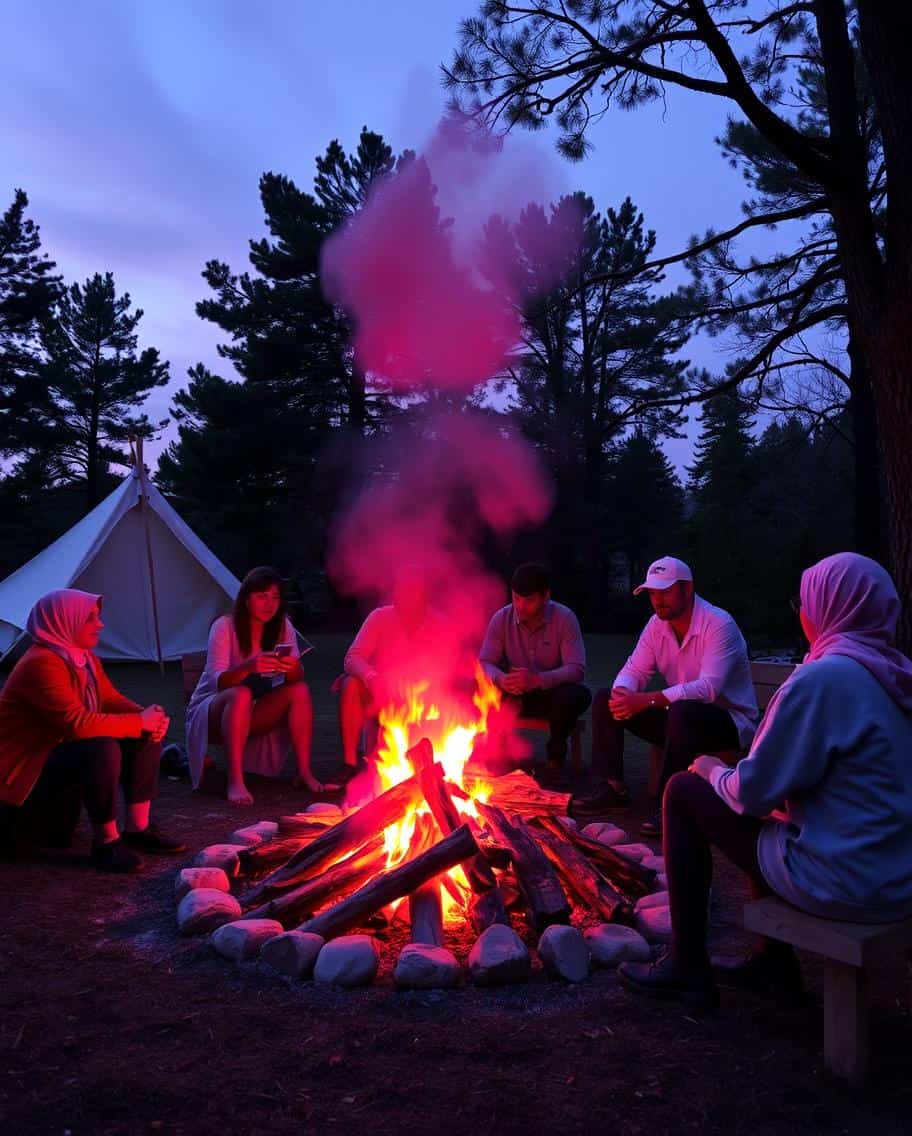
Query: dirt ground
111, 1023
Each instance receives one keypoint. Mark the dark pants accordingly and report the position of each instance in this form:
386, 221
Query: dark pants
684, 730
696, 819
561, 706
96, 766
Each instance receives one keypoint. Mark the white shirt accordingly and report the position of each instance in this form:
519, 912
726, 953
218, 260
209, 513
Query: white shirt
710, 664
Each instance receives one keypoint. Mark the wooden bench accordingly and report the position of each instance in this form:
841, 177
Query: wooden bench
848, 949
767, 678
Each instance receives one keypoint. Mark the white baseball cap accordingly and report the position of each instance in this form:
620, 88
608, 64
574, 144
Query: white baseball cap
663, 573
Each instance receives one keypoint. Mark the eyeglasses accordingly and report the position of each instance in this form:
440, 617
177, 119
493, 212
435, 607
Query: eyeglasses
795, 604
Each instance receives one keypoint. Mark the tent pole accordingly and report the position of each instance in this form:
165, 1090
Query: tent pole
144, 508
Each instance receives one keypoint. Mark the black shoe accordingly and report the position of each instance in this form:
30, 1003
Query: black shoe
607, 800
664, 979
765, 972
115, 857
154, 841
551, 776
652, 826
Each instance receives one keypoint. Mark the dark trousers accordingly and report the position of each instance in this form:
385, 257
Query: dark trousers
96, 766
561, 706
696, 819
684, 730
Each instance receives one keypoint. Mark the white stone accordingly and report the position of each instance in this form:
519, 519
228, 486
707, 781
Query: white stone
605, 833
657, 899
190, 878
564, 952
324, 809
253, 835
635, 852
351, 960
656, 863
499, 956
568, 822
654, 923
293, 953
203, 909
420, 967
245, 938
661, 880
224, 856
610, 944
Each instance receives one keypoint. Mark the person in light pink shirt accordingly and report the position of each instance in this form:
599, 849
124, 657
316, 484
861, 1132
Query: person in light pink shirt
707, 704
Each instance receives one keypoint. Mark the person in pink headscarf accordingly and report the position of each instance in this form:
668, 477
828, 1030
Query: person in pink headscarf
63, 726
831, 760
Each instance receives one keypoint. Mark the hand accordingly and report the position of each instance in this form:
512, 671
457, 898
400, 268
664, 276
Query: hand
287, 663
521, 680
266, 663
624, 703
155, 722
705, 764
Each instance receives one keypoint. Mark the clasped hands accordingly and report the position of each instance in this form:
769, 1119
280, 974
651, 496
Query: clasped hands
520, 680
155, 722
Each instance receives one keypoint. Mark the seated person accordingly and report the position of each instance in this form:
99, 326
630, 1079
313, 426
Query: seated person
832, 752
63, 725
397, 643
707, 706
251, 696
533, 650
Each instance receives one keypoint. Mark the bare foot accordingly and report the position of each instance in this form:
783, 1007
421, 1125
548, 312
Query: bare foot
239, 795
313, 785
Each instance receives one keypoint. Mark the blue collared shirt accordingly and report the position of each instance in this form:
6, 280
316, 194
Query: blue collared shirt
554, 651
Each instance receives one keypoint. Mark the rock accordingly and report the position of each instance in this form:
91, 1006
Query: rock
324, 809
244, 939
657, 899
351, 960
610, 944
635, 852
224, 856
656, 863
499, 956
203, 909
564, 952
662, 880
253, 834
293, 953
567, 822
605, 833
654, 923
420, 967
190, 878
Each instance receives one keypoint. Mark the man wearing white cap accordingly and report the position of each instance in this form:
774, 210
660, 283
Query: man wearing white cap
707, 705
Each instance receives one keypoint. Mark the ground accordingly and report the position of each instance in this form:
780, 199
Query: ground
110, 1023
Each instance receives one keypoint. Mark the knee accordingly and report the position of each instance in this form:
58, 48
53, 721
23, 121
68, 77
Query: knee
105, 754
681, 790
299, 694
239, 700
353, 690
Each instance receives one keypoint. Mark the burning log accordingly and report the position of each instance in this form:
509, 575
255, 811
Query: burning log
345, 837
519, 793
626, 876
394, 884
546, 902
579, 875
274, 853
341, 879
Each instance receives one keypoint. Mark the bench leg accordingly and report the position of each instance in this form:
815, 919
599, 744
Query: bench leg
845, 1020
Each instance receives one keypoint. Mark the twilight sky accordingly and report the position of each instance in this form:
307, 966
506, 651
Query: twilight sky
139, 129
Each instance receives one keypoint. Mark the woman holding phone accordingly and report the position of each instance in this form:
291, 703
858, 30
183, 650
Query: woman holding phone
251, 697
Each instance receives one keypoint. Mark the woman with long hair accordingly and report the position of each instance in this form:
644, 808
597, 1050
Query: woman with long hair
251, 697
64, 727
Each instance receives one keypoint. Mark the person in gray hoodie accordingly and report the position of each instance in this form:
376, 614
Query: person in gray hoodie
820, 810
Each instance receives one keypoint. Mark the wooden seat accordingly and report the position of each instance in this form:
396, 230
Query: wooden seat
847, 949
576, 743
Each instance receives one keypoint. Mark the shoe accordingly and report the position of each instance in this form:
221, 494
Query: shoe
652, 826
764, 972
154, 841
115, 856
606, 800
664, 979
551, 776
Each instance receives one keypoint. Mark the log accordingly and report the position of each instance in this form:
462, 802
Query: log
546, 902
625, 876
274, 853
519, 793
581, 877
394, 884
339, 840
426, 915
292, 906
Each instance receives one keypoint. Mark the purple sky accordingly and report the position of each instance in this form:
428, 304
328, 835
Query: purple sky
139, 130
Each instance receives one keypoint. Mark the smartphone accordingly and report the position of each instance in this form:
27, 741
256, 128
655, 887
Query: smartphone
282, 650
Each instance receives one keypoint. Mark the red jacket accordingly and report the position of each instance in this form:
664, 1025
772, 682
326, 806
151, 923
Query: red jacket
41, 705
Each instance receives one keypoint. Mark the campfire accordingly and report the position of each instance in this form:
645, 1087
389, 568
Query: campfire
438, 831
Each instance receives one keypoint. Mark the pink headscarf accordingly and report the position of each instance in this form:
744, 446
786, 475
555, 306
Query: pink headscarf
853, 604
56, 618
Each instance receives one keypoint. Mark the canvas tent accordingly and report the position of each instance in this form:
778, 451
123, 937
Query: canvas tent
162, 586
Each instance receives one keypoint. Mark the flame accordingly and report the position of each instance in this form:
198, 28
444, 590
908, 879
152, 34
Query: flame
453, 730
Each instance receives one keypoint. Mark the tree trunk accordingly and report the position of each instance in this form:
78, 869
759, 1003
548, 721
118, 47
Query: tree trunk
869, 521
